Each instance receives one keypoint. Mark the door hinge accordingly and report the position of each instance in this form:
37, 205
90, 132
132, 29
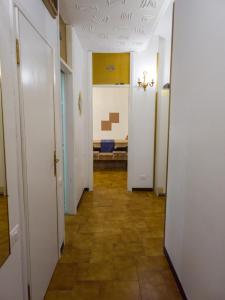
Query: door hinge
17, 52
56, 160
28, 292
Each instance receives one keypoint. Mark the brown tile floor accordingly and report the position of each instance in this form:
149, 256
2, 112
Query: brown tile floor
114, 247
4, 230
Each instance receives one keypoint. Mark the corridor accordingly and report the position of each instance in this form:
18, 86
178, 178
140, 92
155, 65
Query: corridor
114, 247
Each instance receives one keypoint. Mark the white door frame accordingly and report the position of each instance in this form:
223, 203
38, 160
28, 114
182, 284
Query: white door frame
90, 124
130, 126
68, 72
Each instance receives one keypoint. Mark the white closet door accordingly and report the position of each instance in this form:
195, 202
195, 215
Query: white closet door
37, 118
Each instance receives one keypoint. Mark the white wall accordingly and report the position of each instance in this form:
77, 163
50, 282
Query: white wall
195, 223
142, 117
80, 69
164, 31
108, 100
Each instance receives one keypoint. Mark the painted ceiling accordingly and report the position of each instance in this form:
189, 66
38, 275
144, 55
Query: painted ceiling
113, 25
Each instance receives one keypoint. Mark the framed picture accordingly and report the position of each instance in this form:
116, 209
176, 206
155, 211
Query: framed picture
52, 7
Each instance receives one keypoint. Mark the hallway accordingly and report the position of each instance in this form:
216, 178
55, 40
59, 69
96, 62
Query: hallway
114, 247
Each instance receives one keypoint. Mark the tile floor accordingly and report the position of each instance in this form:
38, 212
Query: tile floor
114, 247
4, 230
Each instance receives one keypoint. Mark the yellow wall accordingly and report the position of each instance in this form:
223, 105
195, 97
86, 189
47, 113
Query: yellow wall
111, 68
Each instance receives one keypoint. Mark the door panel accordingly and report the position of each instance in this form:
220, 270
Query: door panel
37, 119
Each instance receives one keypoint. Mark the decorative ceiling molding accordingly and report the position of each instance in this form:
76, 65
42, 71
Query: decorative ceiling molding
103, 36
126, 16
113, 25
147, 18
86, 7
138, 43
121, 29
88, 28
124, 37
113, 2
139, 30
148, 4
98, 19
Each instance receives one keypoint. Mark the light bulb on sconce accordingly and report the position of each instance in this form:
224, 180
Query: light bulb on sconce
144, 84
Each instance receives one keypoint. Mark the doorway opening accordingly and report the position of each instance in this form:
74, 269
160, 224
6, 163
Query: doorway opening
110, 110
67, 136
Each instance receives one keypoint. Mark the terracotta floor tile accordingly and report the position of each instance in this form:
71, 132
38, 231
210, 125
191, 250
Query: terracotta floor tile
101, 271
64, 277
82, 272
72, 255
159, 292
153, 246
88, 290
102, 254
120, 290
125, 269
114, 247
59, 295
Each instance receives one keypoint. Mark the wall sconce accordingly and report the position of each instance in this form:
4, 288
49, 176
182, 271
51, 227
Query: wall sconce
145, 84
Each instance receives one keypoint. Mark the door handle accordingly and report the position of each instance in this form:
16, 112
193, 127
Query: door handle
56, 160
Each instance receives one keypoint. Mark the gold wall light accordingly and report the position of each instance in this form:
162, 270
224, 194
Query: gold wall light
144, 84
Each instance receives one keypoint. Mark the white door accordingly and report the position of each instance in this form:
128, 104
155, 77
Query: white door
38, 139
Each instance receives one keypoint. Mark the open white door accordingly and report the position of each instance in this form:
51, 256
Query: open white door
38, 142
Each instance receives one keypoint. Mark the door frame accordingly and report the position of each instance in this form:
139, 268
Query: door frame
68, 77
90, 123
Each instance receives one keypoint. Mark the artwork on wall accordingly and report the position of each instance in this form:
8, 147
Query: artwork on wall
106, 126
110, 68
114, 118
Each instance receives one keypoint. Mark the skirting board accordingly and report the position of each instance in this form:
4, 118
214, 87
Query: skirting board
179, 284
162, 195
62, 248
81, 198
142, 189
160, 192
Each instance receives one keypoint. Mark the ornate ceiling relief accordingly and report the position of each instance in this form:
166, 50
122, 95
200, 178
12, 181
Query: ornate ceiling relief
119, 25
